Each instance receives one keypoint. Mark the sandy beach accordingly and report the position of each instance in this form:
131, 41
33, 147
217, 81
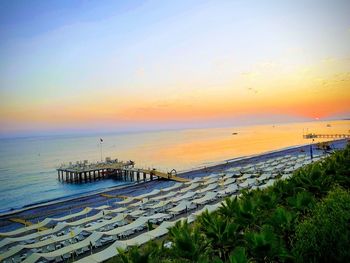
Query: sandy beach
65, 206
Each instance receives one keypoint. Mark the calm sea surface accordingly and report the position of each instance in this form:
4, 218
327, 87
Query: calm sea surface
28, 165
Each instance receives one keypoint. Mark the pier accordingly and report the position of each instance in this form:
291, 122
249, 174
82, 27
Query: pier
83, 172
337, 136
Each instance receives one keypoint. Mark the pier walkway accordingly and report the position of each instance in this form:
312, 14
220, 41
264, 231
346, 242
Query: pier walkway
21, 221
25, 223
337, 136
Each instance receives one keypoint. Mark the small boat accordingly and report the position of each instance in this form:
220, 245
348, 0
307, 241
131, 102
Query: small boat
234, 133
328, 125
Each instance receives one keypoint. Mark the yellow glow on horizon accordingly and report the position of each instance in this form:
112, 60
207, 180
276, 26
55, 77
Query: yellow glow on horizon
311, 92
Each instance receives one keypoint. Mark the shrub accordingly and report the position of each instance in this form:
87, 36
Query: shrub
325, 235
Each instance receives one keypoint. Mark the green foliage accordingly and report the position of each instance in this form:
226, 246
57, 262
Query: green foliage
267, 200
282, 220
188, 242
222, 235
265, 245
301, 202
150, 226
325, 235
313, 180
229, 208
150, 253
239, 256
242, 210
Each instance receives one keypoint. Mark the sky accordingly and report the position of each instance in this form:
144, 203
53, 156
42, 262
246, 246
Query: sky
73, 66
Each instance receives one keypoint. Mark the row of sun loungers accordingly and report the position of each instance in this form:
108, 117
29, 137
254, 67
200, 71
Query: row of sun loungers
112, 251
160, 231
47, 221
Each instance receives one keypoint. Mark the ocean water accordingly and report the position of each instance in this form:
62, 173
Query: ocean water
28, 165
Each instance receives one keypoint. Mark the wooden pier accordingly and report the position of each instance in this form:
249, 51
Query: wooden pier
313, 136
82, 172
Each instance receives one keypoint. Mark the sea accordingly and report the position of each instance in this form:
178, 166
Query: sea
28, 165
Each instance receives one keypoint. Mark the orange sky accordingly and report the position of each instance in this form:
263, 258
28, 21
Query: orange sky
293, 94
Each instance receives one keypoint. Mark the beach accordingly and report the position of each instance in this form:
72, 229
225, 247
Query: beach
66, 206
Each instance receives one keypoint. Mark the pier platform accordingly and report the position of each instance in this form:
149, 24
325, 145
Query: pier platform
81, 172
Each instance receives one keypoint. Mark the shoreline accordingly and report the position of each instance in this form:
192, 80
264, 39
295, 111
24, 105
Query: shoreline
86, 198
244, 157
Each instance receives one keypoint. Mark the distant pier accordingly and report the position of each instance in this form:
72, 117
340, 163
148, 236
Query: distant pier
313, 136
82, 172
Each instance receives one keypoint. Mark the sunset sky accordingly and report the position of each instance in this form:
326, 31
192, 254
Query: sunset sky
138, 65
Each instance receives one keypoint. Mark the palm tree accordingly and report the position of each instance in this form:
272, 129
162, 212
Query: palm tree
150, 253
222, 235
247, 212
239, 256
188, 242
314, 180
265, 245
267, 200
133, 255
229, 208
281, 219
282, 189
301, 202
